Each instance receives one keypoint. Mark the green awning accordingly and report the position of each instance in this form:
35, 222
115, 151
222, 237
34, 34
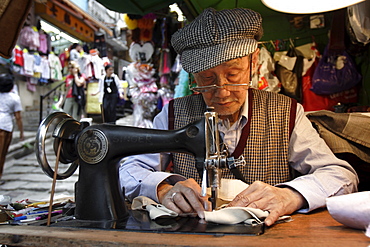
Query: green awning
191, 8
138, 7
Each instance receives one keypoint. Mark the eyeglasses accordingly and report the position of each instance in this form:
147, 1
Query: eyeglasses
213, 88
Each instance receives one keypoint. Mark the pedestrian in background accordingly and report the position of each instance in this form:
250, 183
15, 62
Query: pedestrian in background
75, 52
110, 90
10, 107
75, 100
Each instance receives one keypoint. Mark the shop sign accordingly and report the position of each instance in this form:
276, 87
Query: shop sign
66, 19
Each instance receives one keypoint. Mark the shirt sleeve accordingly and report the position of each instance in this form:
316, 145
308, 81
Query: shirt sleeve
101, 89
325, 174
141, 174
118, 83
18, 103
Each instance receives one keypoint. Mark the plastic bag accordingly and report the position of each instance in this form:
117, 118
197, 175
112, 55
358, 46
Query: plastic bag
359, 19
336, 72
265, 78
289, 71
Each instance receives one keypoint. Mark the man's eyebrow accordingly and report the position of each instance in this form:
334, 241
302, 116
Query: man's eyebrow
232, 63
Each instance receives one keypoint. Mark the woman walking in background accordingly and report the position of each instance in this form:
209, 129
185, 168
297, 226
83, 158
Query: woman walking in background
110, 90
10, 107
75, 101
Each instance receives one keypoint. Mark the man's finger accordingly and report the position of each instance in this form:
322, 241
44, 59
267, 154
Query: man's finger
271, 218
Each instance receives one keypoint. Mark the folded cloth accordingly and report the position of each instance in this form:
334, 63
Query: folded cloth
230, 188
236, 215
155, 210
231, 215
352, 210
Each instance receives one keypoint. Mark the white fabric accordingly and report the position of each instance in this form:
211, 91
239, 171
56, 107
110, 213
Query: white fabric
230, 188
236, 215
227, 216
352, 210
155, 210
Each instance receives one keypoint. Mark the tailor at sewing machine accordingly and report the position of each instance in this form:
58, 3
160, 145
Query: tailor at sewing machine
97, 150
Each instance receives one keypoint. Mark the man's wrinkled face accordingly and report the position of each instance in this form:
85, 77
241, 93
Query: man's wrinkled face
226, 103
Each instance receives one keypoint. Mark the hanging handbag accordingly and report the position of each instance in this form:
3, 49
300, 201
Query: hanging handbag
336, 72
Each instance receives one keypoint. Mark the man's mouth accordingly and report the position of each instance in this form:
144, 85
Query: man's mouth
223, 103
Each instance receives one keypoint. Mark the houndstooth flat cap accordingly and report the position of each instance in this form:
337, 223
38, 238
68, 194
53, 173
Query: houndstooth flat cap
215, 37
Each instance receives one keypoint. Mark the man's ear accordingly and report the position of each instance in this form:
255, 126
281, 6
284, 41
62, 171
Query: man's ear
255, 55
255, 60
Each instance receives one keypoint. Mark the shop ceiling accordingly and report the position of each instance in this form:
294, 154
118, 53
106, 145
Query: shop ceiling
273, 20
190, 8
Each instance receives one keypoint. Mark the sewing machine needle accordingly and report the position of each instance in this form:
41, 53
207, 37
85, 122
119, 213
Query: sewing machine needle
204, 183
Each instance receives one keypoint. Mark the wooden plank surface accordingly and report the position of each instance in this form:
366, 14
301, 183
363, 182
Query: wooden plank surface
316, 229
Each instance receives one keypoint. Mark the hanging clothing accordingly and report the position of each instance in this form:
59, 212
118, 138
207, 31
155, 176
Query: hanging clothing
45, 69
37, 67
18, 56
143, 91
43, 38
29, 61
29, 37
55, 67
92, 66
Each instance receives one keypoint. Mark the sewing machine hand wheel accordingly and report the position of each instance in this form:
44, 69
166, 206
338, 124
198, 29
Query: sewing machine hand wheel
65, 130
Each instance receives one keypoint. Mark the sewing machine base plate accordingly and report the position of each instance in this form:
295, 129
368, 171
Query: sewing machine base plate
140, 221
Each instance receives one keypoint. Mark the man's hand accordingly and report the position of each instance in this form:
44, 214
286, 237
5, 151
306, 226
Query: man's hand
184, 198
278, 201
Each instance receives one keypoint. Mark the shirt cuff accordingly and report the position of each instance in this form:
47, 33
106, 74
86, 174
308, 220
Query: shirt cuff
315, 198
150, 184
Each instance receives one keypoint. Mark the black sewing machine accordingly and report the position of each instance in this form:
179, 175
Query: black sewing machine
97, 150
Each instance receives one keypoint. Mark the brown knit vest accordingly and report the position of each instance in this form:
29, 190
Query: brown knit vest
271, 119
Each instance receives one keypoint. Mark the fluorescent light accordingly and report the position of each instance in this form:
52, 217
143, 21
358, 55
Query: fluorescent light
175, 8
69, 38
308, 6
49, 28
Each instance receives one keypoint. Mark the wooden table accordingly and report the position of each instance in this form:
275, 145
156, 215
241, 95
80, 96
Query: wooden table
315, 229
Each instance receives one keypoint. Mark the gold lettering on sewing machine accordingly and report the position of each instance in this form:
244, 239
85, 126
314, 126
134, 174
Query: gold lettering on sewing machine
132, 139
92, 146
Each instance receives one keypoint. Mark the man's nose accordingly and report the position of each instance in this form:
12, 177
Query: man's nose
221, 92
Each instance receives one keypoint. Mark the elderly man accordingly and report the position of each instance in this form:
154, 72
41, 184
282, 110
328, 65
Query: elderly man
268, 131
